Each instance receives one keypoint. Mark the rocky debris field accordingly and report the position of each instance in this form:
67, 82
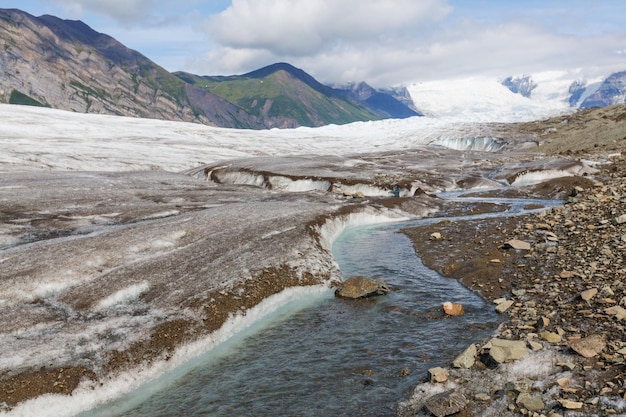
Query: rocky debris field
562, 350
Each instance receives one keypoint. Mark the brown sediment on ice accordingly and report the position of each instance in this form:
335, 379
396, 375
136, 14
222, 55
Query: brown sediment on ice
163, 340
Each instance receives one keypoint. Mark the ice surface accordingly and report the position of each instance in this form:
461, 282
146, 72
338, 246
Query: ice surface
55, 139
103, 238
481, 99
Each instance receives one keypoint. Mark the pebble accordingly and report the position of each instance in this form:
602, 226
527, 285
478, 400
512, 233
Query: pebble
589, 294
571, 405
551, 337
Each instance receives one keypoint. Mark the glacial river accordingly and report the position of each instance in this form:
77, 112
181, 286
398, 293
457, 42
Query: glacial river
324, 356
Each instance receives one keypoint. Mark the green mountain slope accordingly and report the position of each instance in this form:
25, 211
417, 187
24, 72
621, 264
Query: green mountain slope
284, 96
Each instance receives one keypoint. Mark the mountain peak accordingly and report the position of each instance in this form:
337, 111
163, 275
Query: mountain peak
294, 72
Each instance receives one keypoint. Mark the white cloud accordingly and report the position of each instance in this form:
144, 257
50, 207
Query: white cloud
405, 41
304, 27
125, 12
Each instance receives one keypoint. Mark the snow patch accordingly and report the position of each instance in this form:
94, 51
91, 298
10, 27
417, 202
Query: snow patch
278, 182
161, 215
124, 295
536, 177
484, 144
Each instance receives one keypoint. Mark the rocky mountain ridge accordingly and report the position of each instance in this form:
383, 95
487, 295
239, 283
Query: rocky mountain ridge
580, 94
67, 65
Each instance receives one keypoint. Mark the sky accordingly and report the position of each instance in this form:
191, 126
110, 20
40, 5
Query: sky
382, 42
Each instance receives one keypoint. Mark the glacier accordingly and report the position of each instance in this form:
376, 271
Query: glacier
179, 218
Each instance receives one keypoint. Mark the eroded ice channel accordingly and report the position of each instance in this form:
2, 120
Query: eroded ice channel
325, 356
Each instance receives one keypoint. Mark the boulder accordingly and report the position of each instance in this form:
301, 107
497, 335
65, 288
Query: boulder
467, 358
453, 309
361, 287
435, 236
530, 402
551, 337
438, 374
446, 403
502, 350
589, 346
589, 294
517, 244
504, 306
617, 311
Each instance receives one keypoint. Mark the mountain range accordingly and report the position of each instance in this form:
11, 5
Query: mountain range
610, 91
67, 65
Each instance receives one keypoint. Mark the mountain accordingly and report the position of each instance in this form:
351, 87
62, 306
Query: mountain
65, 64
287, 97
283, 96
611, 91
523, 85
383, 103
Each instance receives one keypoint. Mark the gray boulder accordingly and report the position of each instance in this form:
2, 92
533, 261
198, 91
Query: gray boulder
446, 403
361, 287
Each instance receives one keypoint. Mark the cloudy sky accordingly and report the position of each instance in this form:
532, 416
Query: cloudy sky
383, 42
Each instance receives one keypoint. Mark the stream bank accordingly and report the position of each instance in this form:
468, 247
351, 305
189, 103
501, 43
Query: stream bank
567, 287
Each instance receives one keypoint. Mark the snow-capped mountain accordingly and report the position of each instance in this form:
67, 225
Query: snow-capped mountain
518, 97
610, 91
523, 85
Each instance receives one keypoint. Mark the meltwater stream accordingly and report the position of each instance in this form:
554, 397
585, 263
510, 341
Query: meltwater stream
332, 357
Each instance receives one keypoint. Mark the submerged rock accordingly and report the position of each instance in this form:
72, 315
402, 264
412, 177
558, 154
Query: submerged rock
361, 287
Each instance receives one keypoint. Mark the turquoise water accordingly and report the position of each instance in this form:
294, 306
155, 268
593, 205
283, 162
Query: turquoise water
337, 357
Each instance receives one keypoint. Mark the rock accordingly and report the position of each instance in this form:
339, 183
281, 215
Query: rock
571, 405
589, 294
435, 236
535, 346
620, 219
481, 396
589, 346
563, 382
438, 374
529, 402
446, 403
503, 350
360, 287
453, 309
517, 244
551, 337
504, 306
617, 311
467, 358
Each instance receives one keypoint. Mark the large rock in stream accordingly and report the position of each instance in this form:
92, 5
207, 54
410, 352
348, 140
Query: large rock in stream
361, 287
